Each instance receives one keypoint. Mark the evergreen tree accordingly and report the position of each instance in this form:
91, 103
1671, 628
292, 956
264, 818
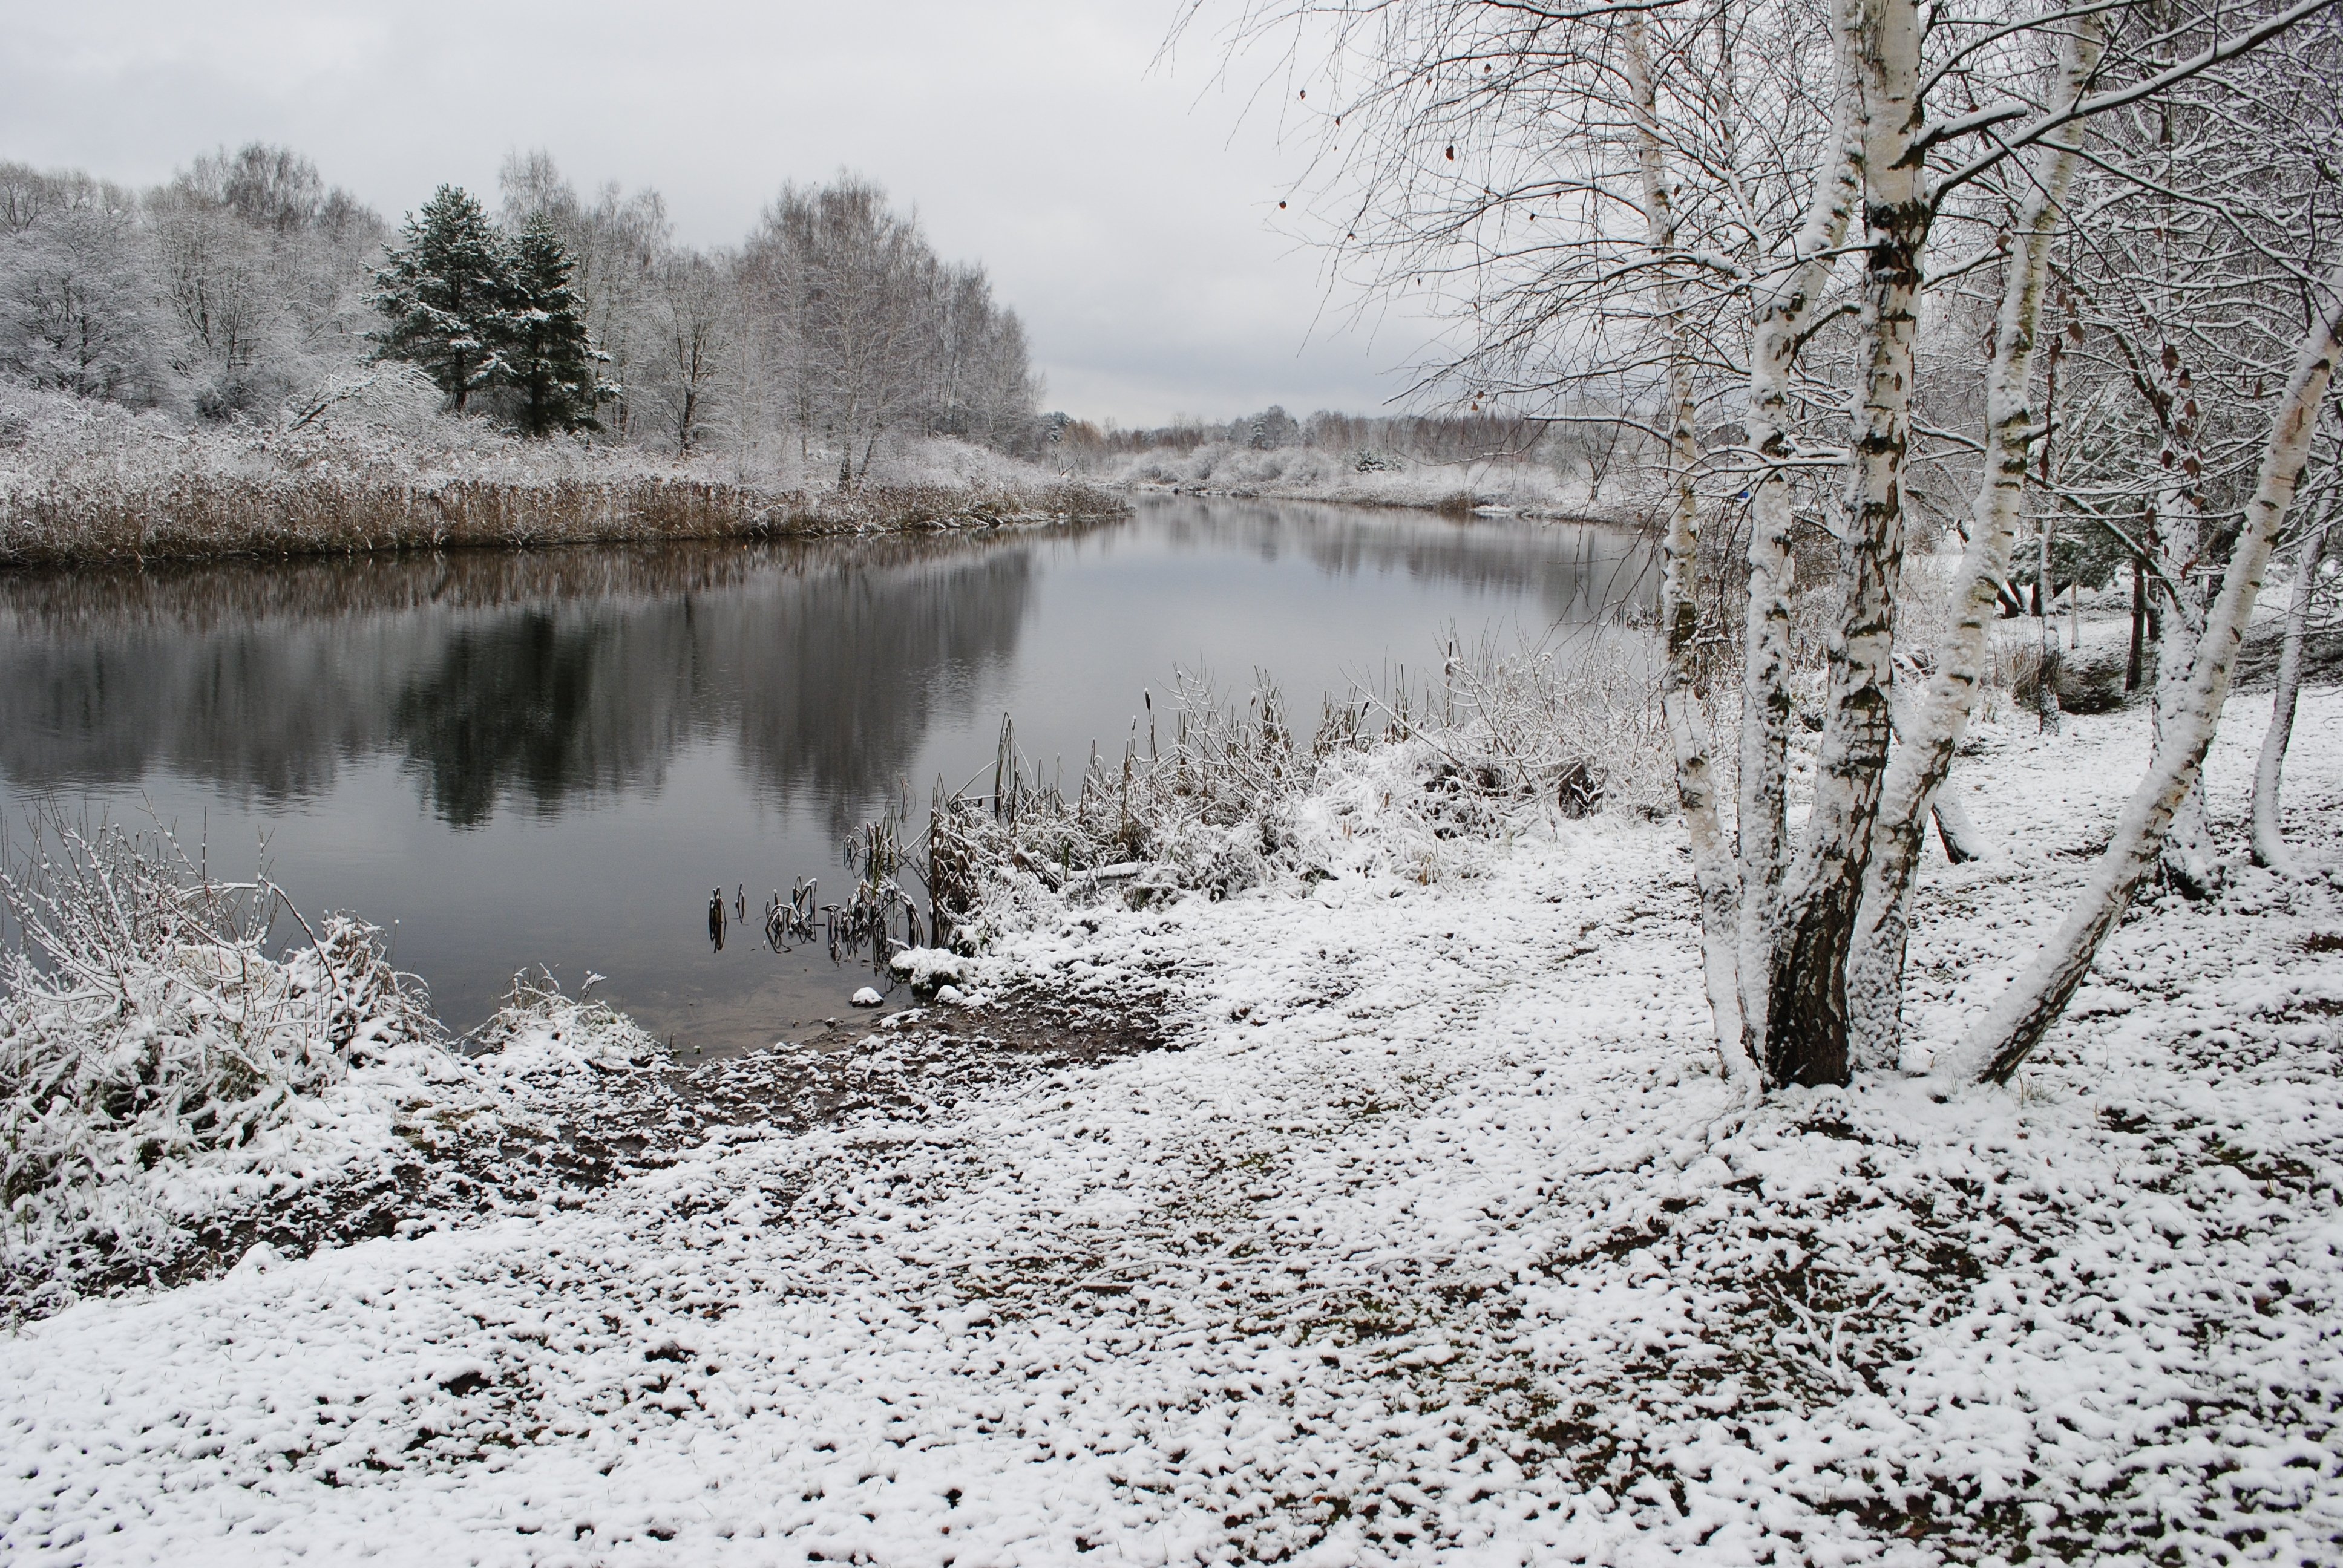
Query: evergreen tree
448, 291
549, 361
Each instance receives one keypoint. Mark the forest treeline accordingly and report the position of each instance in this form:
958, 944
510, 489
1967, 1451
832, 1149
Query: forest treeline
247, 289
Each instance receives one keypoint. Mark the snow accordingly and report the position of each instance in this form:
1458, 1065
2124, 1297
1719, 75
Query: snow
1438, 1239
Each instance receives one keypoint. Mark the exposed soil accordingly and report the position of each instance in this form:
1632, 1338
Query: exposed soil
911, 1065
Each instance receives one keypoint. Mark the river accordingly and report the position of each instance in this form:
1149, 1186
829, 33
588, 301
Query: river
518, 759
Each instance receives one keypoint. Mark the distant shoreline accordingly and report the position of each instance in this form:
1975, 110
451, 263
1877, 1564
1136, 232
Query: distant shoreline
1461, 505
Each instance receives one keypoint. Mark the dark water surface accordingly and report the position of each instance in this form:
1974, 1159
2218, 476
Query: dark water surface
551, 758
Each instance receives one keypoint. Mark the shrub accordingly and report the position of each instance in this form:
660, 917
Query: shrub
146, 1030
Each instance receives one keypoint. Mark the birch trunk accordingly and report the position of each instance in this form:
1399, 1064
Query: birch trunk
1783, 311
2188, 854
1806, 1037
1875, 972
2017, 1020
1714, 873
2270, 842
1963, 839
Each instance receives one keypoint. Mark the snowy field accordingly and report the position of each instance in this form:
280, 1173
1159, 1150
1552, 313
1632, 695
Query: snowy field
1439, 1240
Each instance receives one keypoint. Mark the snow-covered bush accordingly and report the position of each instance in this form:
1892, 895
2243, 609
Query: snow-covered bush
165, 1070
542, 1039
151, 1050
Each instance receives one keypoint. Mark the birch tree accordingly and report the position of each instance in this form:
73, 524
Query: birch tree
1921, 764
1575, 184
2269, 840
2015, 1023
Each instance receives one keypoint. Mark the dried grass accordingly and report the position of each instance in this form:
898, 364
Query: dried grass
84, 521
1217, 797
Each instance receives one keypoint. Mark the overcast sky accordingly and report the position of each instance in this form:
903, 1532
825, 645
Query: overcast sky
1124, 211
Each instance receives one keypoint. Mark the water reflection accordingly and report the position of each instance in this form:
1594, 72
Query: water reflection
541, 680
1576, 571
534, 679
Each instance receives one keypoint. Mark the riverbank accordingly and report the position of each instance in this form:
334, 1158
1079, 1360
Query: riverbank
1438, 1239
85, 485
202, 517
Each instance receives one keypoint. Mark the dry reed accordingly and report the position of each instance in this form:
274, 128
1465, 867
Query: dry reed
96, 519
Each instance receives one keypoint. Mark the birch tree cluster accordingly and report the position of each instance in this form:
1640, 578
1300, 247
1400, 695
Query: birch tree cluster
2035, 283
245, 288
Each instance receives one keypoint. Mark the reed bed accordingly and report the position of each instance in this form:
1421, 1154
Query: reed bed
1422, 781
89, 518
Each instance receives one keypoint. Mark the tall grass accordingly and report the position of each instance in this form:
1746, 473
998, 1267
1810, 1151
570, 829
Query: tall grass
1420, 781
94, 519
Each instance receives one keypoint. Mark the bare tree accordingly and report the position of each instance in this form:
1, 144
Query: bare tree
873, 335
695, 310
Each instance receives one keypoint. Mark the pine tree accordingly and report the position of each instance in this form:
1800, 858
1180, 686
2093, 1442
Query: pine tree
448, 291
549, 361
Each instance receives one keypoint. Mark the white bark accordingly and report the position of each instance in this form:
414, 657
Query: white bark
1782, 309
1807, 1038
2015, 1023
1875, 971
2269, 842
1714, 873
2187, 850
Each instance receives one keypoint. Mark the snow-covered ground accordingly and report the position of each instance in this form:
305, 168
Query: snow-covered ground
1440, 1240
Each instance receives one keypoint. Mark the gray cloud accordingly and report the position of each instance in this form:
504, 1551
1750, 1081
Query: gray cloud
1125, 212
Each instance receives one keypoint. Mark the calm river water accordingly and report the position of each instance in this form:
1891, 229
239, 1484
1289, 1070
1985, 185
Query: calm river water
551, 758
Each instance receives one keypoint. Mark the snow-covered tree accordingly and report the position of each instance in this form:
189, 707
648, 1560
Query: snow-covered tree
615, 241
78, 310
448, 292
552, 368
695, 310
870, 335
246, 287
